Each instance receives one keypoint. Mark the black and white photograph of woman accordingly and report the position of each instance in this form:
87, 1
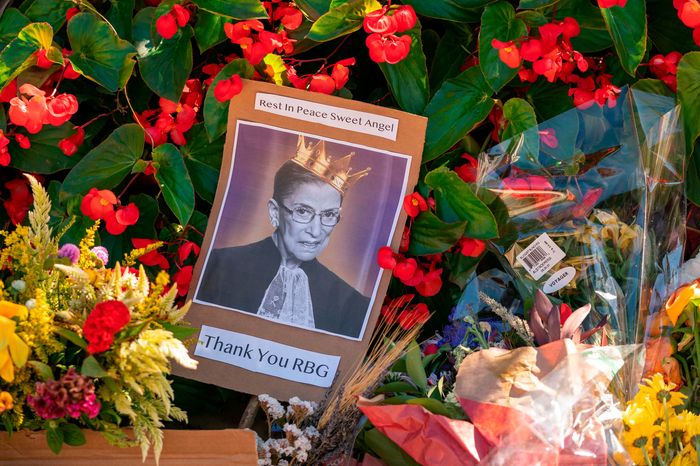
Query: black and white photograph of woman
293, 272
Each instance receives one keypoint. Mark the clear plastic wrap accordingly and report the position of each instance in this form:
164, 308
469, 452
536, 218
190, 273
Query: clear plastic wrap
597, 209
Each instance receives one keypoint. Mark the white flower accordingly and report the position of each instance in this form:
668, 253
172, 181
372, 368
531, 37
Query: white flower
271, 406
299, 409
30, 304
18, 285
302, 443
283, 463
311, 432
301, 456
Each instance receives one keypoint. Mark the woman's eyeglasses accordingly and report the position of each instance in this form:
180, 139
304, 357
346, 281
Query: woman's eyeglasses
303, 214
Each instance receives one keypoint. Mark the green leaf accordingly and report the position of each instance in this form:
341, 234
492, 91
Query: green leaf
203, 160
414, 366
408, 79
342, 20
92, 368
549, 99
43, 156
166, 68
430, 235
215, 112
628, 28
105, 166
48, 11
432, 405
692, 186
522, 120
397, 387
71, 336
455, 202
209, 30
459, 105
54, 437
688, 74
43, 370
98, 53
179, 331
461, 268
535, 3
532, 18
174, 181
465, 11
120, 16
387, 450
17, 55
314, 9
594, 35
498, 22
274, 63
72, 434
450, 54
141, 31
11, 22
237, 9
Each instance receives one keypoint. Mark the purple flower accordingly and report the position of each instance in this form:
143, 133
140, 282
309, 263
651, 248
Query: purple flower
101, 253
71, 395
70, 251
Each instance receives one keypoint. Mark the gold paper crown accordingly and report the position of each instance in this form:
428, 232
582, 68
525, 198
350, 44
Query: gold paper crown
336, 173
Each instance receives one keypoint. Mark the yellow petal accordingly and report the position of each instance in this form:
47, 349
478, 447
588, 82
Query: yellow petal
7, 369
19, 350
7, 328
9, 310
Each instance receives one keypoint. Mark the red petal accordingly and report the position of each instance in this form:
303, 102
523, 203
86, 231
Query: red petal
166, 26
128, 215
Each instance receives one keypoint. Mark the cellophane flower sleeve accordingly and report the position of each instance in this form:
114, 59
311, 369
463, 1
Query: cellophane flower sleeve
596, 203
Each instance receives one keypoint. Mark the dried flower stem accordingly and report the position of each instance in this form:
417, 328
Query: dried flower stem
516, 323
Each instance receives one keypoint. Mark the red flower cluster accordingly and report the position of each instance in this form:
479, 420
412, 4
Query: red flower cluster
689, 14
409, 316
426, 281
533, 188
182, 279
414, 204
42, 61
185, 116
20, 200
226, 89
286, 13
105, 320
34, 112
471, 247
321, 81
664, 68
255, 41
591, 90
168, 24
100, 205
383, 43
152, 258
70, 145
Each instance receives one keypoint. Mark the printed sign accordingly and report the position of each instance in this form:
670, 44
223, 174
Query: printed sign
287, 288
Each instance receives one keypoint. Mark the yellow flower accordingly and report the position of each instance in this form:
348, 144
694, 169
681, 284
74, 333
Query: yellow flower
692, 426
641, 430
12, 349
687, 457
10, 310
658, 390
5, 401
680, 299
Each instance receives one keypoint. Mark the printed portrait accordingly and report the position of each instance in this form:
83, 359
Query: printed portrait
299, 227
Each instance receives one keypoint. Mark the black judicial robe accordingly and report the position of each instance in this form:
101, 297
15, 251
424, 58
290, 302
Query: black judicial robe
238, 277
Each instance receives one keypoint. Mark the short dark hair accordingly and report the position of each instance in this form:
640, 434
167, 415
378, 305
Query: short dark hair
291, 175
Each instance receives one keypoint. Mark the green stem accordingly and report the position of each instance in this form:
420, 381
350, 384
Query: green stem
646, 455
667, 434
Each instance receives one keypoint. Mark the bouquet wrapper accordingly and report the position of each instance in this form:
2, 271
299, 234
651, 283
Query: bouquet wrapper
537, 406
596, 204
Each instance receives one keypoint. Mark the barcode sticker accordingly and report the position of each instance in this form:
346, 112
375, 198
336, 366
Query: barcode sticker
540, 256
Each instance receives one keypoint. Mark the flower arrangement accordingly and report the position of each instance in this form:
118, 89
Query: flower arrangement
84, 345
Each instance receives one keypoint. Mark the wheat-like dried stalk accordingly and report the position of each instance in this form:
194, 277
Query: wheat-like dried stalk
516, 323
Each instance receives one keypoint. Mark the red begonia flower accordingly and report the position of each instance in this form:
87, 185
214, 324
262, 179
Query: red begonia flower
431, 283
414, 204
70, 145
290, 16
97, 204
549, 138
415, 315
471, 247
254, 52
22, 140
17, 206
416, 278
341, 72
322, 83
127, 215
60, 109
405, 17
507, 52
386, 258
236, 32
182, 279
166, 26
226, 89
42, 60
72, 11
28, 113
181, 15
152, 258
187, 248
611, 3
9, 92
397, 48
467, 171
405, 269
587, 204
689, 13
378, 22
531, 50
571, 27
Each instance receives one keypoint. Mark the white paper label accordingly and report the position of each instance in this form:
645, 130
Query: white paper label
559, 279
267, 357
335, 117
540, 256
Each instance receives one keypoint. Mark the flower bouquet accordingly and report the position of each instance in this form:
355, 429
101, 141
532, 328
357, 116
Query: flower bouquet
83, 345
596, 204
